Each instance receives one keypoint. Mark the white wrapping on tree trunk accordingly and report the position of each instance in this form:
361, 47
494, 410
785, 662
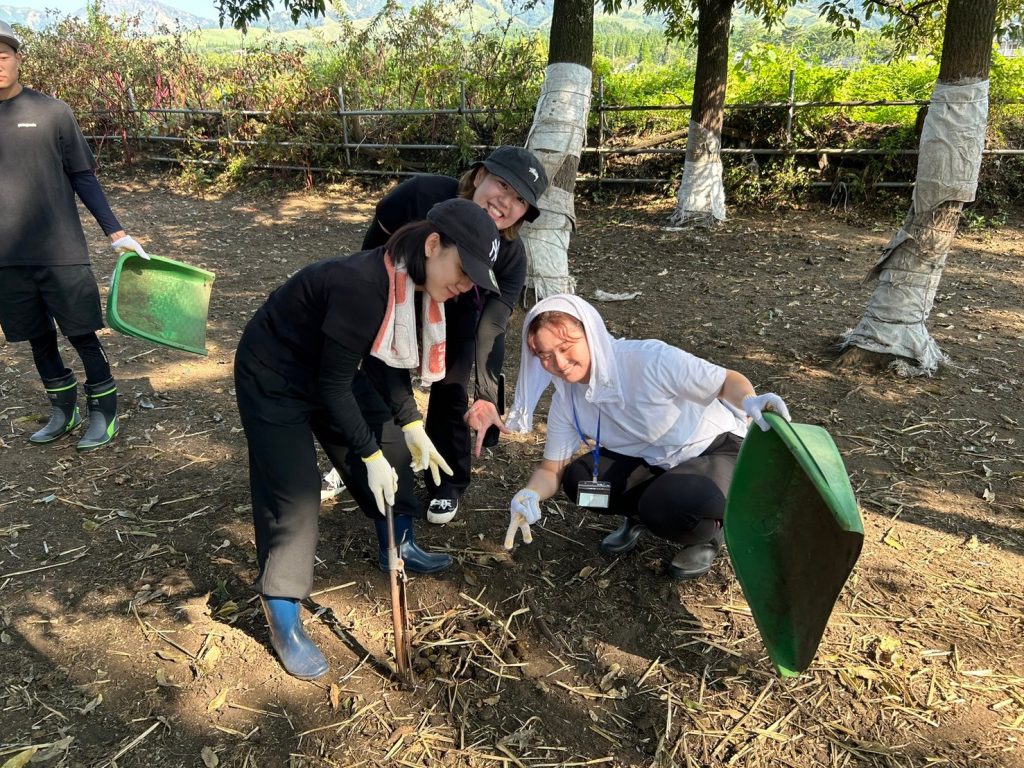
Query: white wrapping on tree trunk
701, 198
910, 267
952, 139
558, 135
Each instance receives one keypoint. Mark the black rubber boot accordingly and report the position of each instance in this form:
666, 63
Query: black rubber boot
298, 654
103, 426
695, 559
624, 538
416, 560
65, 416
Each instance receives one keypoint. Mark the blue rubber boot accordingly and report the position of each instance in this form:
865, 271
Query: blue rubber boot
299, 657
64, 416
416, 560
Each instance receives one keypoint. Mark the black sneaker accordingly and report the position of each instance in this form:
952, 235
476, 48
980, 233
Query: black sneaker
442, 510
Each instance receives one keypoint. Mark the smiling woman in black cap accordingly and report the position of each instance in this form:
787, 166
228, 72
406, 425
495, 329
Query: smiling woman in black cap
507, 185
295, 368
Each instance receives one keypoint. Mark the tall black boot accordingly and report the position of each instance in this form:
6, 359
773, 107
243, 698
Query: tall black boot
103, 426
416, 560
65, 416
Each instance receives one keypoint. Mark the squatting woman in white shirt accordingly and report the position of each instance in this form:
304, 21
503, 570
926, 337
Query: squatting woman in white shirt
662, 427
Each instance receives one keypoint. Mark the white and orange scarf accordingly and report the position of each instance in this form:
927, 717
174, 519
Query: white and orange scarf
396, 344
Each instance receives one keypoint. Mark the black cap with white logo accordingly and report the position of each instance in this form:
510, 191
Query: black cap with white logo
7, 36
471, 229
520, 168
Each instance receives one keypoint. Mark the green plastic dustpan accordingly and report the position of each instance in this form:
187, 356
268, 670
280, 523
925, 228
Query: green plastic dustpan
794, 533
160, 300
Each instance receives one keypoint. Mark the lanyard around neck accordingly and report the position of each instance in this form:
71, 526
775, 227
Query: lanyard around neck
597, 439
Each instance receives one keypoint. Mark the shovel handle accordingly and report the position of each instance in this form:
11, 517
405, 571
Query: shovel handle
399, 607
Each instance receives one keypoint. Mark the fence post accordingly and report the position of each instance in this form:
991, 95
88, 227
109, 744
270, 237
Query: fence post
792, 107
600, 129
344, 124
464, 117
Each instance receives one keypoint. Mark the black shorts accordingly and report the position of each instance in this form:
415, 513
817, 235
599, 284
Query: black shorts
31, 298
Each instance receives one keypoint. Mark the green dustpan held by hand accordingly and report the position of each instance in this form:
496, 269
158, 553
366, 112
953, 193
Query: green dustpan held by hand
160, 300
794, 533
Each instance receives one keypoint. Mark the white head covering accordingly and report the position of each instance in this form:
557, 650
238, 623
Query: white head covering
604, 385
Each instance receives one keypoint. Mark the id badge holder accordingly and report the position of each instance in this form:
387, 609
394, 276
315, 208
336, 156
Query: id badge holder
594, 494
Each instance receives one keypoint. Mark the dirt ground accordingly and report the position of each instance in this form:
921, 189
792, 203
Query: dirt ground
130, 637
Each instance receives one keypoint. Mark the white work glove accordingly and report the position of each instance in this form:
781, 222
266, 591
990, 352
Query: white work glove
424, 454
755, 405
382, 479
129, 243
523, 512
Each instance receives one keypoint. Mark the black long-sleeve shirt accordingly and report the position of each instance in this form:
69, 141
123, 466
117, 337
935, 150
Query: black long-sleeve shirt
315, 331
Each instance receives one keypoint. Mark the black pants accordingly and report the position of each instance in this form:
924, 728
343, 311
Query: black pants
671, 503
50, 364
446, 410
280, 424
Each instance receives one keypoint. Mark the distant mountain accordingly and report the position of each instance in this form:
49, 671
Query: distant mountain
27, 17
152, 15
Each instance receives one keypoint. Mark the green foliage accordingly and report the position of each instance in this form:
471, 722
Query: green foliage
273, 98
782, 185
66, 59
277, 99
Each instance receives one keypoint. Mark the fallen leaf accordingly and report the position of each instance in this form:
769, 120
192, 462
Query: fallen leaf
210, 759
867, 673
161, 680
217, 701
205, 664
92, 704
21, 758
178, 658
335, 695
585, 573
892, 541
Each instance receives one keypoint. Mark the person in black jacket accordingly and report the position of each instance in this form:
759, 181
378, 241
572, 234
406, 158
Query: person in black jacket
296, 368
507, 185
45, 277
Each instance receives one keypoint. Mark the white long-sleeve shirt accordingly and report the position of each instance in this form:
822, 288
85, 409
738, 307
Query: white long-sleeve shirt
669, 411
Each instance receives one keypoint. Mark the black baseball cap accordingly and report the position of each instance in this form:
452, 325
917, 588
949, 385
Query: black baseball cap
473, 232
520, 168
7, 36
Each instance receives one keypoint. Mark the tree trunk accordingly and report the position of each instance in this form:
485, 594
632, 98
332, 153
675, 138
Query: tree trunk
572, 33
557, 137
953, 135
701, 198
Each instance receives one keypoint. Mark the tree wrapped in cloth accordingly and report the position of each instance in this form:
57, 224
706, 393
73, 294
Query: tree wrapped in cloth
893, 329
557, 138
